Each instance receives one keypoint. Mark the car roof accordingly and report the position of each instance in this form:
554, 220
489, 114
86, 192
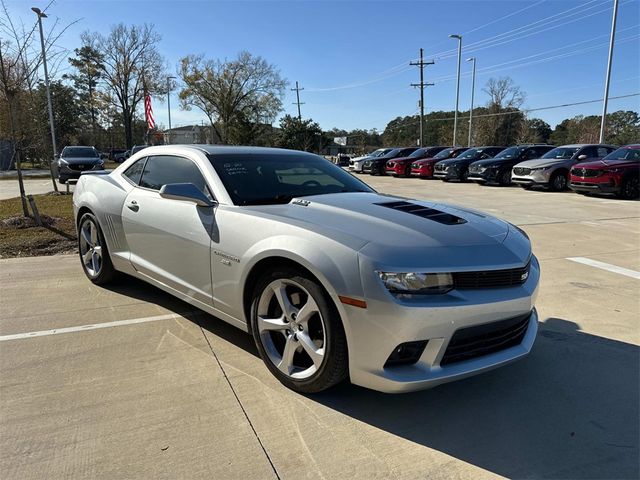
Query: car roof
214, 150
580, 145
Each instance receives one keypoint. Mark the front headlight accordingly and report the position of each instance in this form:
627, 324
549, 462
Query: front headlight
417, 283
540, 169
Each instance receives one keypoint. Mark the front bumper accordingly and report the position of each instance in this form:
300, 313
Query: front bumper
535, 178
487, 176
597, 187
356, 167
422, 172
373, 333
450, 173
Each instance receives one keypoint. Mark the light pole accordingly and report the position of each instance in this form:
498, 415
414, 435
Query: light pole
473, 88
608, 78
42, 15
455, 115
169, 106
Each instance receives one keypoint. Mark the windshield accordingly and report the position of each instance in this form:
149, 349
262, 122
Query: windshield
631, 154
391, 153
511, 152
270, 179
471, 153
561, 153
77, 152
444, 153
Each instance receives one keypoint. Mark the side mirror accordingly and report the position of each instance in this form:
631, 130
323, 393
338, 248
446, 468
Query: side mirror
187, 192
582, 157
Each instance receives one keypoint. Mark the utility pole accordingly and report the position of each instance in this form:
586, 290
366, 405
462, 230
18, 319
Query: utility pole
473, 88
608, 78
421, 64
42, 15
298, 103
455, 115
169, 106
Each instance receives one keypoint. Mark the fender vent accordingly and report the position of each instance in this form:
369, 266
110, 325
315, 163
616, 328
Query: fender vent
424, 212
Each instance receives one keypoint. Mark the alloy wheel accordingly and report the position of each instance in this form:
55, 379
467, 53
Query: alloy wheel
291, 328
559, 182
631, 188
90, 248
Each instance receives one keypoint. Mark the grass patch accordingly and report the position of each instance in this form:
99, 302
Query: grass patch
19, 237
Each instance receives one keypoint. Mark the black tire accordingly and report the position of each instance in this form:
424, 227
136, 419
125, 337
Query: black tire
334, 366
526, 187
558, 181
464, 175
105, 273
629, 190
407, 172
504, 178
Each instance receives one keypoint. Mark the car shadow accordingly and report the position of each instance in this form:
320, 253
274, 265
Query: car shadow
571, 409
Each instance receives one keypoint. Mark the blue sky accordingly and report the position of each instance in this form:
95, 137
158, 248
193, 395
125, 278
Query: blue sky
352, 57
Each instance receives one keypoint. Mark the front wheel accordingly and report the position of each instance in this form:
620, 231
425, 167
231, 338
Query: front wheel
505, 178
558, 182
298, 331
93, 251
630, 190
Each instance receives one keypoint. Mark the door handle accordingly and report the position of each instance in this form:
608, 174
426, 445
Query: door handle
133, 205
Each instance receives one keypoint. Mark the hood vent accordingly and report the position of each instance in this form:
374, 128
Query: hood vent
424, 212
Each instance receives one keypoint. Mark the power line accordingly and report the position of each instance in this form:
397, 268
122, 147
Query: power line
297, 102
421, 64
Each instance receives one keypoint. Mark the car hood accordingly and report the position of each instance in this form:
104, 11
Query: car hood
495, 162
363, 222
426, 161
454, 161
544, 162
599, 164
80, 160
403, 159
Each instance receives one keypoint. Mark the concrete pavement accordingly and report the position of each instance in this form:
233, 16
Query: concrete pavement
33, 186
186, 396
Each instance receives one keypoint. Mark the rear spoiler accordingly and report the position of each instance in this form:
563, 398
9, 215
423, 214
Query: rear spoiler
96, 172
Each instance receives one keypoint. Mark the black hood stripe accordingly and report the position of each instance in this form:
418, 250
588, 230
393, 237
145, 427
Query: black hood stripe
424, 212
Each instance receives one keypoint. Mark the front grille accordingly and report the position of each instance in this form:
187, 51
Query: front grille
491, 278
424, 212
479, 340
521, 171
390, 164
441, 168
80, 166
586, 172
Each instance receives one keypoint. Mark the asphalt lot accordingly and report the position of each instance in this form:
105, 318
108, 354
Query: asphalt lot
173, 393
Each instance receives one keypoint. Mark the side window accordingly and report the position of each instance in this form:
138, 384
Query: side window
590, 152
604, 151
164, 169
134, 172
531, 153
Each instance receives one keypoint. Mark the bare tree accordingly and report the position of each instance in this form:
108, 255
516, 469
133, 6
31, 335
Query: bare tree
503, 124
247, 89
130, 63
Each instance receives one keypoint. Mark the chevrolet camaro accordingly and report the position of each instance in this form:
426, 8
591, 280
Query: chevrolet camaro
332, 279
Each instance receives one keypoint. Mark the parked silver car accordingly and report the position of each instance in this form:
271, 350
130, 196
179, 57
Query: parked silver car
355, 164
552, 169
332, 279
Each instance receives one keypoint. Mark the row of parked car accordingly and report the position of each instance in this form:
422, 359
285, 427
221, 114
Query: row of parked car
584, 168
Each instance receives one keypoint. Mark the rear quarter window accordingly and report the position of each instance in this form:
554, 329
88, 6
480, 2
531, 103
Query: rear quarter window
134, 172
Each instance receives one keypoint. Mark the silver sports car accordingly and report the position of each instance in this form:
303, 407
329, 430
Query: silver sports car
332, 279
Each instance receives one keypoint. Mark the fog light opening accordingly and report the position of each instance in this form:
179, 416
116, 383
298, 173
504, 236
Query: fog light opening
406, 353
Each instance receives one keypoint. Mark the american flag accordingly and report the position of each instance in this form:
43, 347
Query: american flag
148, 112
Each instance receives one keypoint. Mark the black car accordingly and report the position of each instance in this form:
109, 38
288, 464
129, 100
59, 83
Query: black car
458, 168
378, 166
117, 154
75, 160
497, 170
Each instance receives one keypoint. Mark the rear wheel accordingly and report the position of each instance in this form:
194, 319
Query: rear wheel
558, 182
298, 331
629, 190
94, 255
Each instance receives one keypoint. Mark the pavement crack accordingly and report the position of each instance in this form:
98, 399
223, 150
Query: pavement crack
244, 411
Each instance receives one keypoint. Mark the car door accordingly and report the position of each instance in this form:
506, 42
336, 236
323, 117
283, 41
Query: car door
170, 240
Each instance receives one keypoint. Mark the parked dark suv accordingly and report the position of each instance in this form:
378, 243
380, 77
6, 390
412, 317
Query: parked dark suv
75, 160
458, 168
378, 166
497, 170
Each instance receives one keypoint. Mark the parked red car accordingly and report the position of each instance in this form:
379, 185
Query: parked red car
424, 168
618, 173
401, 167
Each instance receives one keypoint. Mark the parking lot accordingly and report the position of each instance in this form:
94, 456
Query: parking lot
128, 382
